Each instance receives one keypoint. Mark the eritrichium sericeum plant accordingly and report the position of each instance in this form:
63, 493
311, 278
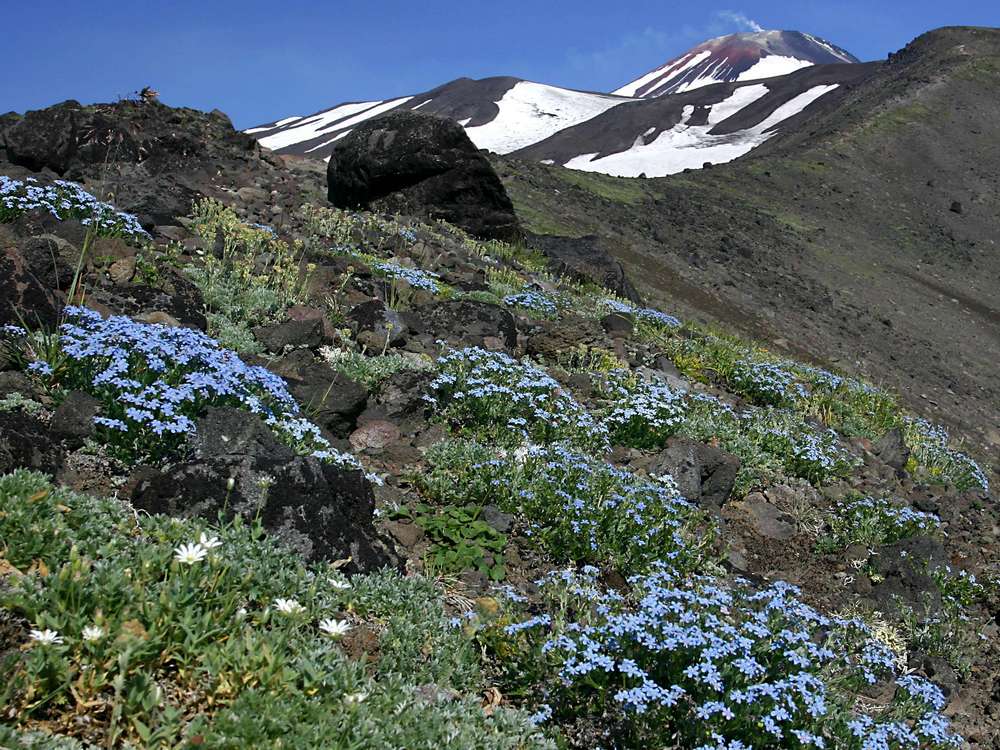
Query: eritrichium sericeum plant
493, 393
153, 381
698, 662
576, 507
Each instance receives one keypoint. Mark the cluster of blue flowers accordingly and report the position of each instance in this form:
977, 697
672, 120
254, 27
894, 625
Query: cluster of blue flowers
815, 455
639, 414
874, 522
644, 314
154, 380
532, 301
581, 508
727, 665
930, 446
66, 200
416, 278
266, 229
764, 383
515, 401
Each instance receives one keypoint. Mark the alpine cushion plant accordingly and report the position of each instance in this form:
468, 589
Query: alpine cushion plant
66, 200
512, 402
702, 663
932, 454
873, 522
153, 381
638, 414
576, 507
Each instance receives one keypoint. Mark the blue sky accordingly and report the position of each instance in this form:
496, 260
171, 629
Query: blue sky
258, 61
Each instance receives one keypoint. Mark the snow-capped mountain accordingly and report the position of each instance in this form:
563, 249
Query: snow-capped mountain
499, 114
737, 57
727, 96
665, 135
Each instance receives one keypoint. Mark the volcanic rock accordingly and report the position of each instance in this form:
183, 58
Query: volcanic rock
410, 163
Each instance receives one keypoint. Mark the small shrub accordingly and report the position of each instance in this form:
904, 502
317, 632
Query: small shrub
374, 370
256, 278
932, 455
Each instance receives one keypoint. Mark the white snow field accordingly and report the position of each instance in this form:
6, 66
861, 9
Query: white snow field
689, 146
333, 120
531, 112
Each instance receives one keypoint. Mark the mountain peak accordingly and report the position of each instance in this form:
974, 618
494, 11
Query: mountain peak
743, 56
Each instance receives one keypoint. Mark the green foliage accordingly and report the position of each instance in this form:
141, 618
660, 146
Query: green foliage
460, 539
156, 622
932, 456
19, 402
373, 371
256, 278
772, 444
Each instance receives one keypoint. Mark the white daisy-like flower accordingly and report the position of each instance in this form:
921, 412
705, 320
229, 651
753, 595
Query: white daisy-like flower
46, 637
336, 583
209, 542
241, 612
335, 628
288, 606
189, 554
93, 633
354, 698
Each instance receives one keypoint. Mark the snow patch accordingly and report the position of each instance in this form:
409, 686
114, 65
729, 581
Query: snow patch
669, 72
688, 146
772, 66
338, 118
531, 112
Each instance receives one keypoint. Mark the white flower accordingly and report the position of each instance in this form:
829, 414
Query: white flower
288, 606
93, 633
46, 637
209, 542
241, 612
352, 698
189, 554
335, 628
339, 585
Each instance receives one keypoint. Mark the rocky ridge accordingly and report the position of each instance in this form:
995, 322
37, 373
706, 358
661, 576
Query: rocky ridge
409, 396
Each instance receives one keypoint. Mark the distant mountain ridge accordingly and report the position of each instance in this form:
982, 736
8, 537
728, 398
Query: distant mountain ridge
600, 132
748, 56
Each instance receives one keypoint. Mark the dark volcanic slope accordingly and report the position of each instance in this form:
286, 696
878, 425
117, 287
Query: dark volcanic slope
636, 124
867, 235
745, 56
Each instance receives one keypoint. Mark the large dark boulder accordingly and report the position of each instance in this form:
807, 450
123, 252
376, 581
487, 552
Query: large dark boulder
416, 164
585, 259
705, 474
464, 322
24, 300
154, 159
322, 511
